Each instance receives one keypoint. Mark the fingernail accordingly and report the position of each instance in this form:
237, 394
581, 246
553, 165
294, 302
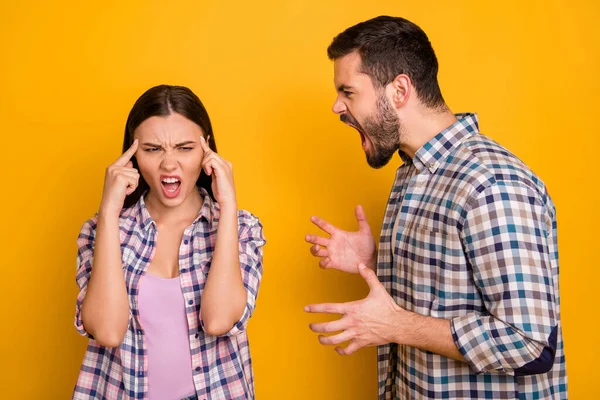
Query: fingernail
361, 266
306, 308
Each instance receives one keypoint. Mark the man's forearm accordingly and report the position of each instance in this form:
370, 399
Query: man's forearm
427, 333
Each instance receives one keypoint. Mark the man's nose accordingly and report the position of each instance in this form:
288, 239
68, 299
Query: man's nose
338, 106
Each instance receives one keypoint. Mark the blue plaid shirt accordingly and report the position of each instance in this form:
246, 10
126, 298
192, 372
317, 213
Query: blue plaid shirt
469, 235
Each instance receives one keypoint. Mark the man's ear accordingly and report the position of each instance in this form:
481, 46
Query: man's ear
400, 90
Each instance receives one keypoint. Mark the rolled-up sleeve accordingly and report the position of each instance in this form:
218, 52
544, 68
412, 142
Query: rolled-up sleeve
251, 242
505, 237
85, 257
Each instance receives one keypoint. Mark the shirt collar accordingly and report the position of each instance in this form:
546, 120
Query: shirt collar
209, 210
437, 149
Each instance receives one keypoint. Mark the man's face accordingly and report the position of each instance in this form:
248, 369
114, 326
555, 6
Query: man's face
367, 109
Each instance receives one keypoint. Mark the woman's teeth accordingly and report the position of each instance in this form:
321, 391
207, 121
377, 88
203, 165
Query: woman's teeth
170, 184
170, 180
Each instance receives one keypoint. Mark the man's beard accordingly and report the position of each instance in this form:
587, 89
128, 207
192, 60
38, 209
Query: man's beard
383, 129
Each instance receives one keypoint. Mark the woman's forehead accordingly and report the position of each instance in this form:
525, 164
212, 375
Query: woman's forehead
173, 128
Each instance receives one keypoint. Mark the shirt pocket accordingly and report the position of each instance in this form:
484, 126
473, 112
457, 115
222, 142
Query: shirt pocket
431, 266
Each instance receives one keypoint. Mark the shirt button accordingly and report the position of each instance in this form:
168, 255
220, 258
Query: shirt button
141, 373
197, 369
186, 241
196, 335
190, 302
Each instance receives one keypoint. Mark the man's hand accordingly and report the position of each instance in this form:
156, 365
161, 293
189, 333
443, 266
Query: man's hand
372, 321
344, 250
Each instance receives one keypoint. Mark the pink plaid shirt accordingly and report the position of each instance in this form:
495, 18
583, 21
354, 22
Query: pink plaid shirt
221, 366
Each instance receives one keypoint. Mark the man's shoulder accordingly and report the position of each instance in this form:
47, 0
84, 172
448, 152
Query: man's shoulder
481, 155
491, 164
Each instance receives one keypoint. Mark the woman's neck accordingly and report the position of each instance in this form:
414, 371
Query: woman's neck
185, 213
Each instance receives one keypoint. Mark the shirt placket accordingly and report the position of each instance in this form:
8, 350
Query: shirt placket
141, 359
411, 192
185, 266
385, 269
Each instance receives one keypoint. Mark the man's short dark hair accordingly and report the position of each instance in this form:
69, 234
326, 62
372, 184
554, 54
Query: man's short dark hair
388, 47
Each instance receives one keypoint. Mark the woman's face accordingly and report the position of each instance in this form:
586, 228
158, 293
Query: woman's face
169, 157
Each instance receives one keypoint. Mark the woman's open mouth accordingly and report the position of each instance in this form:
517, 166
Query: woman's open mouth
171, 186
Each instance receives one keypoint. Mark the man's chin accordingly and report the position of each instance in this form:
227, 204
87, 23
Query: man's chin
378, 161
377, 164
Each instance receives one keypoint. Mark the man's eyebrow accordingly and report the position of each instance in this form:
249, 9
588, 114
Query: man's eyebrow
344, 87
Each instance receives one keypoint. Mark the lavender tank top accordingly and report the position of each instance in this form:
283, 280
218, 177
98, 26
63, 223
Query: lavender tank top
162, 314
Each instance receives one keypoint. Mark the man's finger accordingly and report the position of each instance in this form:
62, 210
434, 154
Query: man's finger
327, 308
351, 348
369, 275
324, 263
315, 239
324, 225
319, 251
125, 157
332, 326
336, 339
361, 217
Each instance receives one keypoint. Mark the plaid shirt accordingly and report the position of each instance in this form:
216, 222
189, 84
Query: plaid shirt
474, 242
221, 366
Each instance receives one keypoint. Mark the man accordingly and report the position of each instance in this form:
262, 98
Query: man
465, 299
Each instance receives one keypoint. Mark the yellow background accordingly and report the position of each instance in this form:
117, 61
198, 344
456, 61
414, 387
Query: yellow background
70, 72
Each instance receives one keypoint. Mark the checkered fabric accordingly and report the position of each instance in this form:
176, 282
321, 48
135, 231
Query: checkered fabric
469, 235
221, 366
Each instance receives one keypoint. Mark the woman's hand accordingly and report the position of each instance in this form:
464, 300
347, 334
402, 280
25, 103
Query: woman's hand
121, 179
222, 176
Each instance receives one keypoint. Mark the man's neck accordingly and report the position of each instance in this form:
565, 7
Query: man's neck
422, 125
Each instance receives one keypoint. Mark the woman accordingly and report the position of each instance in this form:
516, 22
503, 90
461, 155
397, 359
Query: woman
160, 325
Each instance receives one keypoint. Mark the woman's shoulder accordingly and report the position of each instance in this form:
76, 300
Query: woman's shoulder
247, 218
250, 227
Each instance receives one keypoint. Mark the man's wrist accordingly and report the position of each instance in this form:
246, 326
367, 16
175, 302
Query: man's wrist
409, 328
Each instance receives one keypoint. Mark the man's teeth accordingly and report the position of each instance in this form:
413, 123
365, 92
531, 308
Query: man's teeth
170, 180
